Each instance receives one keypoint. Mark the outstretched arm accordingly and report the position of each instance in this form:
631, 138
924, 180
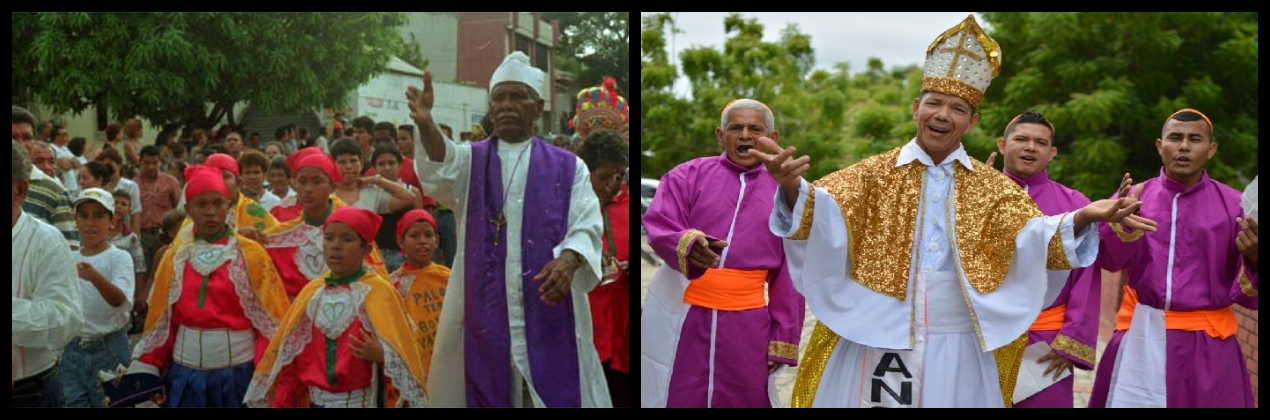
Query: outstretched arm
421, 102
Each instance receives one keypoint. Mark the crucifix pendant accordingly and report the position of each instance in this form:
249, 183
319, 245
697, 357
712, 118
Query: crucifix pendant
498, 221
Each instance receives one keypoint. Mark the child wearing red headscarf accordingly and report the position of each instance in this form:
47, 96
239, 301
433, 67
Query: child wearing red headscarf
420, 281
215, 302
296, 244
346, 336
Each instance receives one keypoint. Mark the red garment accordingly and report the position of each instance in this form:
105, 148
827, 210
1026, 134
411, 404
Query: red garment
221, 310
408, 176
287, 209
610, 303
351, 372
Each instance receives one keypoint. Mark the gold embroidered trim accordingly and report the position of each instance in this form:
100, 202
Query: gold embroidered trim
879, 207
1009, 359
812, 367
1075, 348
804, 224
1057, 254
950, 86
1125, 236
962, 280
782, 350
991, 211
685, 243
1245, 284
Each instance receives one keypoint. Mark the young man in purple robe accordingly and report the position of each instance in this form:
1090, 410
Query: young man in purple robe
1069, 325
1174, 344
515, 330
709, 339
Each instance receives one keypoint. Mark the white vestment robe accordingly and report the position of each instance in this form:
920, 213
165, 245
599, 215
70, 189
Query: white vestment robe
936, 322
448, 182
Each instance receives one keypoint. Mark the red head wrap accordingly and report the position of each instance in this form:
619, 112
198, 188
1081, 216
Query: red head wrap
293, 161
223, 162
413, 216
321, 162
365, 222
201, 179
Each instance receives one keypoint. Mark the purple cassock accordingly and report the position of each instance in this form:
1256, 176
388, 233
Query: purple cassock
553, 354
1191, 263
1081, 294
721, 356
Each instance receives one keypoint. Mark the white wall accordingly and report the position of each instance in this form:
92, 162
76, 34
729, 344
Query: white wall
384, 99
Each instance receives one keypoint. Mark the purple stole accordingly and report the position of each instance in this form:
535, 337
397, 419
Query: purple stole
552, 348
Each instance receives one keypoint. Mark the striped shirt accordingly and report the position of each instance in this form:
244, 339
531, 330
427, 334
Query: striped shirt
47, 200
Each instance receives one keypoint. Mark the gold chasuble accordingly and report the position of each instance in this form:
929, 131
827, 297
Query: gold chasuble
880, 205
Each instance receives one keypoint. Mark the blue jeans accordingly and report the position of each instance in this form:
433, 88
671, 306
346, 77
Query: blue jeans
82, 359
449, 241
392, 259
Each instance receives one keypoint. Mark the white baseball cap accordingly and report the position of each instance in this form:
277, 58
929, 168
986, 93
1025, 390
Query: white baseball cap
99, 195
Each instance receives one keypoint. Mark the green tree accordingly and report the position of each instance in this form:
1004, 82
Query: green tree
809, 105
194, 67
594, 45
1109, 80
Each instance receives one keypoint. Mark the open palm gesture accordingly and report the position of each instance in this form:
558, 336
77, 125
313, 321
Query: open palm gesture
421, 101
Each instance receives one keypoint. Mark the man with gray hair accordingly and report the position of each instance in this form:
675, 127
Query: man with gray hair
46, 198
46, 300
528, 253
709, 339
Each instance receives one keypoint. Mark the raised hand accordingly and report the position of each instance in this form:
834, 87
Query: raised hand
421, 101
702, 255
786, 172
991, 158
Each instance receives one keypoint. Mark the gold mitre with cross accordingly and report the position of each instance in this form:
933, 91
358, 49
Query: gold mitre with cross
962, 62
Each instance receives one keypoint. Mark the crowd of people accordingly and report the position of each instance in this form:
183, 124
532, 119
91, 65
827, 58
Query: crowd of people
370, 265
934, 276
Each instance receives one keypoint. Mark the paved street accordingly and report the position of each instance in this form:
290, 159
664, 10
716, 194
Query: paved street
1084, 380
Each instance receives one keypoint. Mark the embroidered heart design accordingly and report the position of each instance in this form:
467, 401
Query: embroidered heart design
334, 311
314, 265
207, 256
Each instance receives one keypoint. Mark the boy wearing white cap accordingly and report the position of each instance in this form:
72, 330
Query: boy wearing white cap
106, 289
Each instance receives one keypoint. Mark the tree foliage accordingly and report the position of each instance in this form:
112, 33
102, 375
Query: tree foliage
594, 45
1107, 80
193, 67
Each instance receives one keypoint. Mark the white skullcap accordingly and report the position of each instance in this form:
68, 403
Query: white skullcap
516, 68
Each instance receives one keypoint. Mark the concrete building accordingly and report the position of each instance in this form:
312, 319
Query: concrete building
466, 47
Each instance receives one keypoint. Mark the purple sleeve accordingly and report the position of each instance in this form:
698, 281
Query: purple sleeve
666, 222
1077, 340
1243, 291
787, 309
1116, 246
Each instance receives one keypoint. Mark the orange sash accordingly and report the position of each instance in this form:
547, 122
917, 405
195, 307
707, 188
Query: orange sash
1218, 323
1051, 319
728, 289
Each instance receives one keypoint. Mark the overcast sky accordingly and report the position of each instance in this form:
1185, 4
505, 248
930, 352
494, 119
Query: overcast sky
897, 38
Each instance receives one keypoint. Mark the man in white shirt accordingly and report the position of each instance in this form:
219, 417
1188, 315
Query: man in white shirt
46, 301
516, 307
67, 163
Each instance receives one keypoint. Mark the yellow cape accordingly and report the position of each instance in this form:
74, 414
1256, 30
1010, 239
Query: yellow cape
264, 279
388, 320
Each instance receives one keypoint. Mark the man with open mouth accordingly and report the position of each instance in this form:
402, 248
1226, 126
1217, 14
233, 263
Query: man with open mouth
1069, 324
911, 259
1175, 344
709, 339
